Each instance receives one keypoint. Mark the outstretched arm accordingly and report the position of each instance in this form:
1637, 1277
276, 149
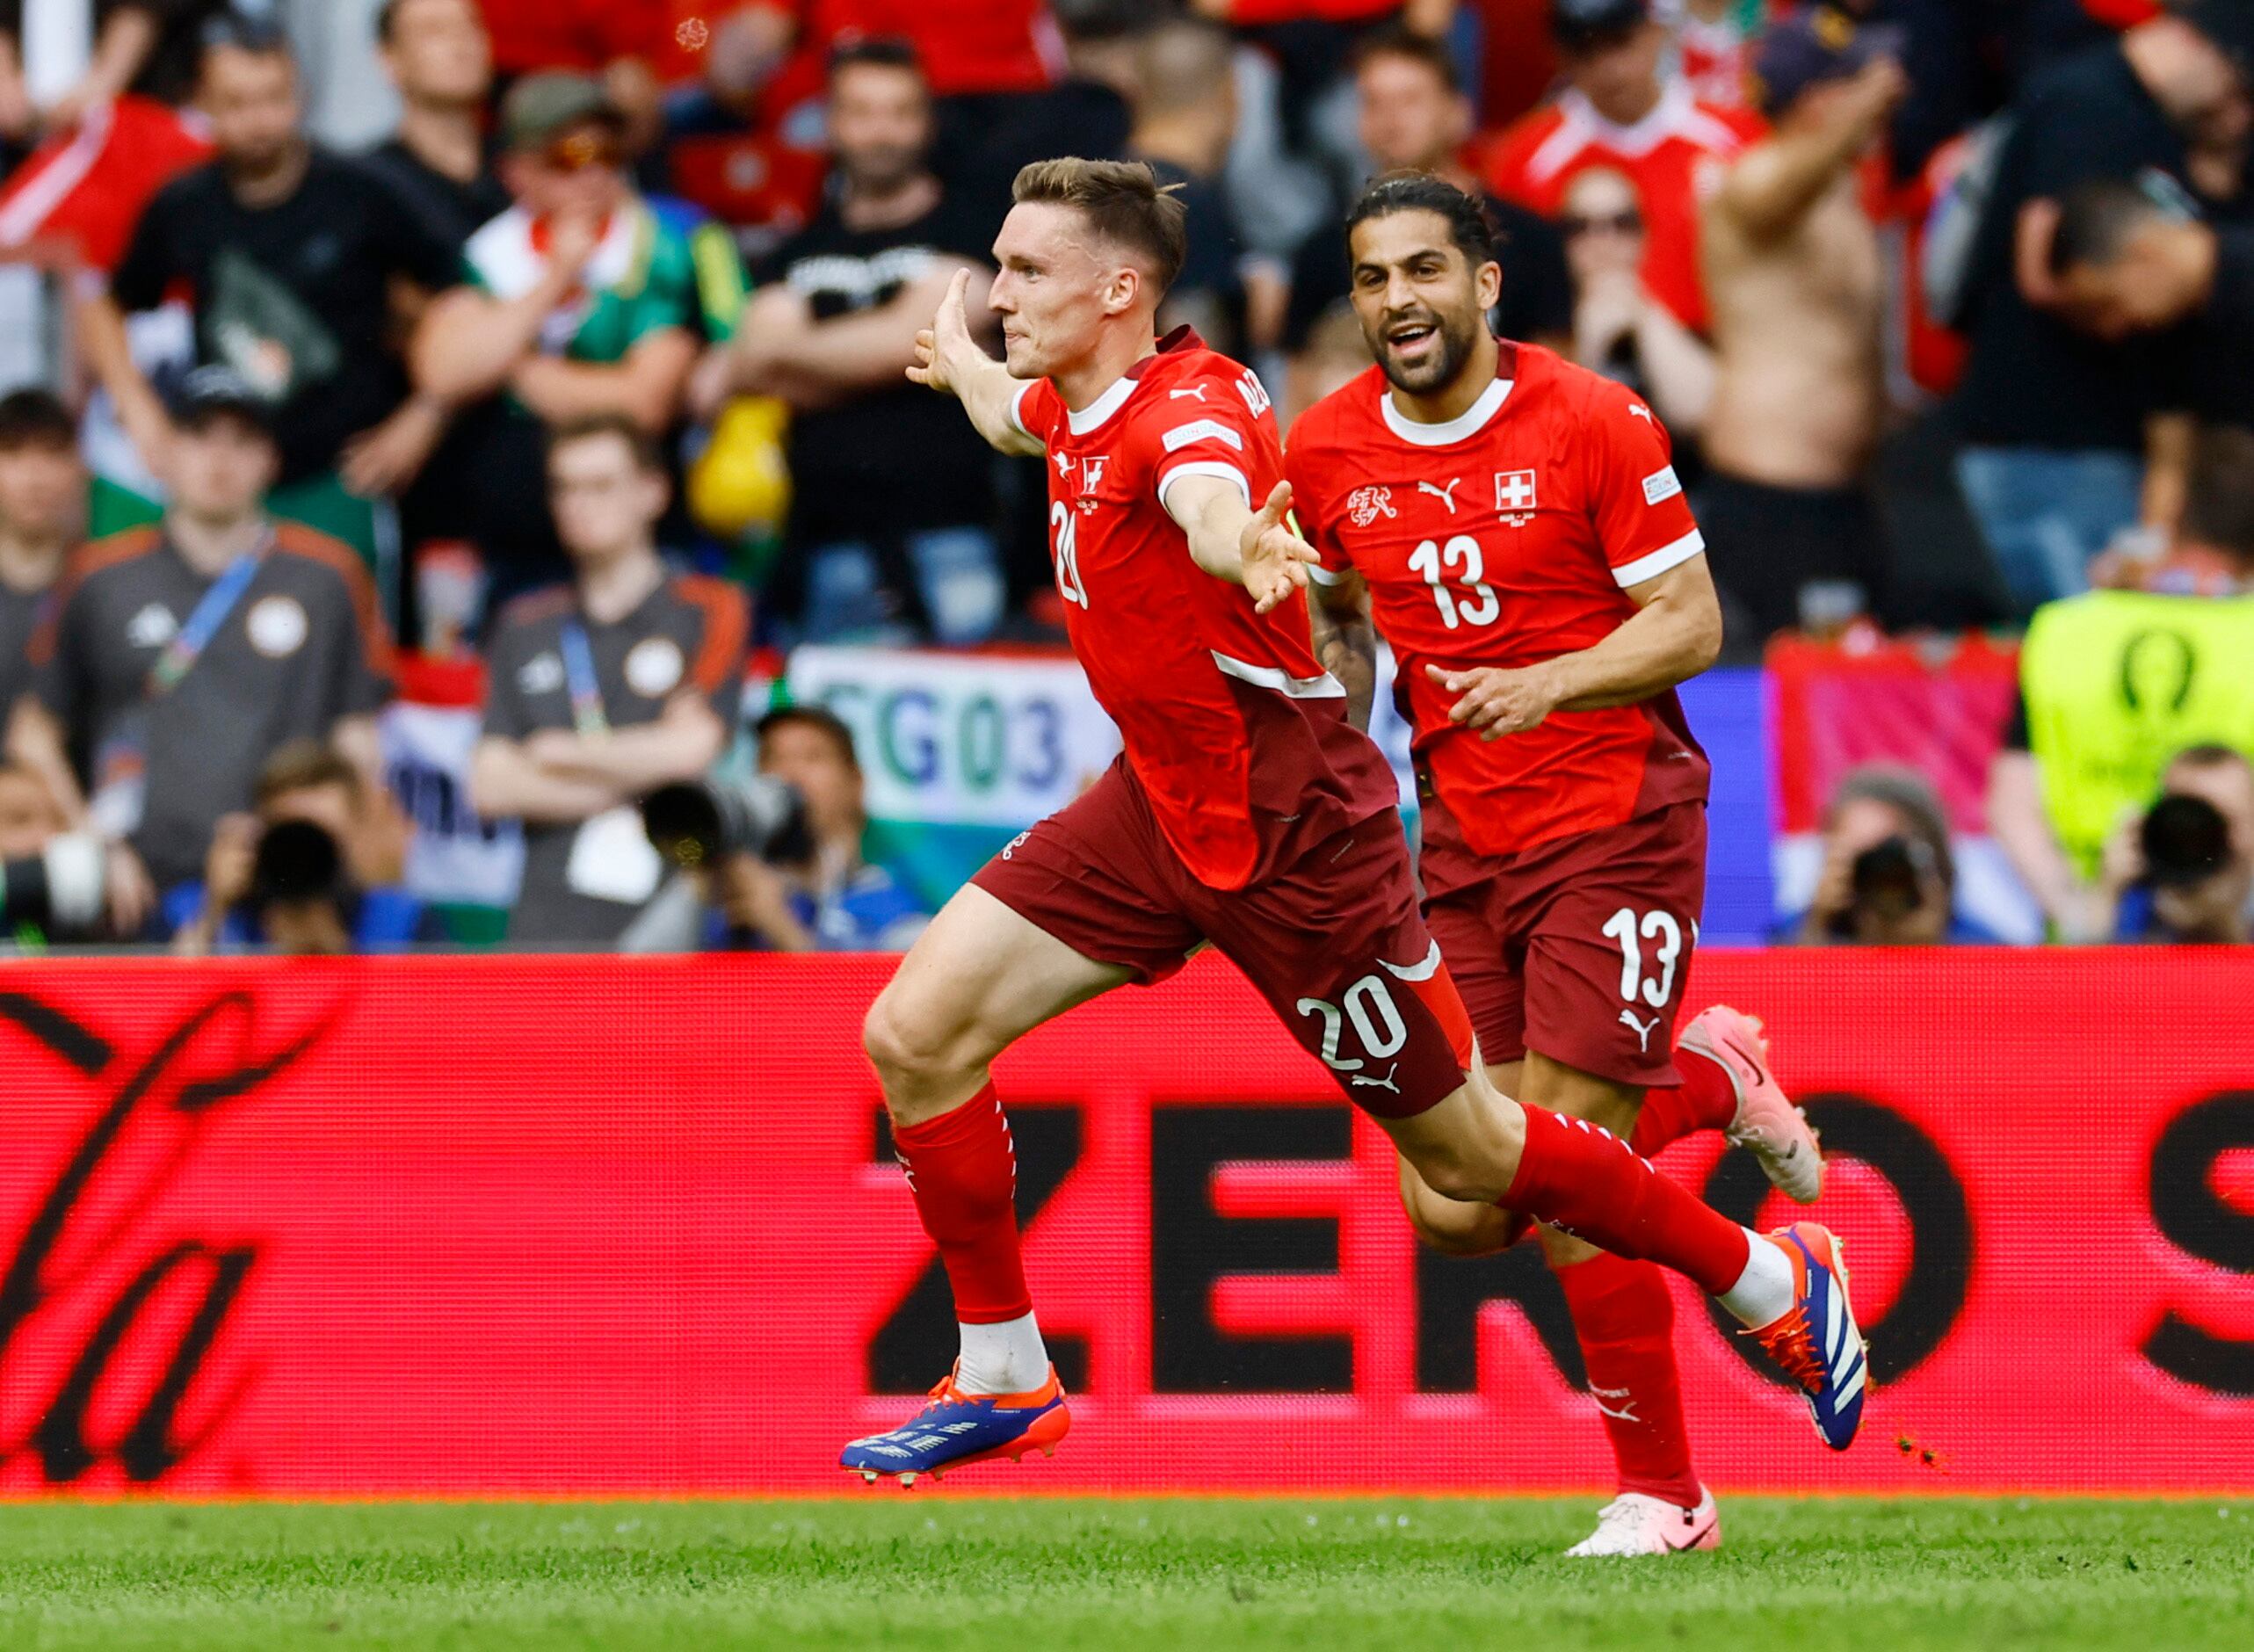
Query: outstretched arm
1231, 541
948, 359
1674, 634
1778, 181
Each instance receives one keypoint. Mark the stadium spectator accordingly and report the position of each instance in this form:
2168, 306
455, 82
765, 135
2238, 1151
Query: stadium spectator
1086, 112
288, 253
600, 691
349, 886
1797, 281
2131, 258
146, 47
2056, 424
1414, 116
1887, 876
172, 662
2115, 682
42, 516
30, 818
1620, 111
892, 507
1184, 106
581, 300
438, 57
1619, 329
843, 901
2182, 872
1715, 40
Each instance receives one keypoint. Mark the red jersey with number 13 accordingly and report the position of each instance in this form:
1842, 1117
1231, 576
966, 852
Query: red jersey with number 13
1234, 732
1505, 538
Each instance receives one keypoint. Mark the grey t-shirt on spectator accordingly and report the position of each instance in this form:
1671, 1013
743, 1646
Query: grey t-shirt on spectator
20, 612
689, 633
302, 646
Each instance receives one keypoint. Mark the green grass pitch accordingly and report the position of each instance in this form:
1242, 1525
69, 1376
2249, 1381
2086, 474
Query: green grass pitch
898, 1570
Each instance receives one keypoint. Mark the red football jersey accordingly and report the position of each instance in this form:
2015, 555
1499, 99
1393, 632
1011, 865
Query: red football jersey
1676, 156
1507, 537
1234, 731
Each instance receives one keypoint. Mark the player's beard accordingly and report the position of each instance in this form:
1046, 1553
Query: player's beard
1454, 339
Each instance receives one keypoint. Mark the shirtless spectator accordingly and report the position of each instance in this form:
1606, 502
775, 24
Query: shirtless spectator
1793, 267
1622, 110
1619, 329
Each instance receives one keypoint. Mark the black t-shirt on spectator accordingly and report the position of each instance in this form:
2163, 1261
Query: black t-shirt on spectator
295, 296
1537, 287
2206, 364
893, 459
2032, 380
446, 207
170, 74
1209, 292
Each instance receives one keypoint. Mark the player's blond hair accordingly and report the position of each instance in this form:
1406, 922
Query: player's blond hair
1122, 201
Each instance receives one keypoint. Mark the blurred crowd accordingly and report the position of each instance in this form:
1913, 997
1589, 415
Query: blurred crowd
344, 337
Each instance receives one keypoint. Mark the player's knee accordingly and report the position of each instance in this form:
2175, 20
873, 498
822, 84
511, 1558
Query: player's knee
909, 1052
1454, 1228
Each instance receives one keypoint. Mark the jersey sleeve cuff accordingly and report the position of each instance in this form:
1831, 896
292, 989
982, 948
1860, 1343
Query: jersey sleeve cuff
1660, 561
1018, 406
1215, 467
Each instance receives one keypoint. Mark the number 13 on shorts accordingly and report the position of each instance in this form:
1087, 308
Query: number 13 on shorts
1631, 930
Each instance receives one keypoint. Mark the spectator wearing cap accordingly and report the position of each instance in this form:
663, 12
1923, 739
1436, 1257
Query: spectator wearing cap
173, 661
2057, 424
2115, 681
1797, 282
147, 47
602, 689
42, 516
1889, 877
891, 529
288, 255
1413, 116
440, 60
578, 302
1621, 110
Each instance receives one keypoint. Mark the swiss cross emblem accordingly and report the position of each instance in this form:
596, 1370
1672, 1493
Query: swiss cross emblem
1366, 505
1092, 472
1514, 496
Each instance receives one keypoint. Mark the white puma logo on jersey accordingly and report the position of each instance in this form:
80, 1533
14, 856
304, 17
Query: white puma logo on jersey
1637, 411
1197, 390
1446, 495
1379, 1084
1642, 1032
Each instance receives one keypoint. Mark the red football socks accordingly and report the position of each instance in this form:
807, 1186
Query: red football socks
1705, 1100
1624, 1317
964, 1172
1588, 1182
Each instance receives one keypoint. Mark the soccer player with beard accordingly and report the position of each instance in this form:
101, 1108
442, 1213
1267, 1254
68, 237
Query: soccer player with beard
1245, 810
1513, 524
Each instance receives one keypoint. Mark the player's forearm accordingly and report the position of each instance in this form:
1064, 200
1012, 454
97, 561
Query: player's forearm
989, 395
1663, 644
1214, 526
1346, 644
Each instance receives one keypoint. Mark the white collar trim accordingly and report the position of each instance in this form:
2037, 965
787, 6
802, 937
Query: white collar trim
1093, 415
1663, 120
1470, 422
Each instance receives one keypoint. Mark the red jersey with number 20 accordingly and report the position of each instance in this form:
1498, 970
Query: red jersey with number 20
1234, 731
1505, 538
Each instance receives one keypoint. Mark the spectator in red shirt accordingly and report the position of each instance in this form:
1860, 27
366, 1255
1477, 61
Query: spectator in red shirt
1620, 111
614, 40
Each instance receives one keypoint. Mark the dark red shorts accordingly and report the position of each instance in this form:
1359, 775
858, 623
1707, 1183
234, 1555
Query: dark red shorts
1579, 948
1334, 940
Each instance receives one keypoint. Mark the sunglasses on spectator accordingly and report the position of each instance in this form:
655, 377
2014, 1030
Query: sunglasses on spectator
582, 151
1628, 223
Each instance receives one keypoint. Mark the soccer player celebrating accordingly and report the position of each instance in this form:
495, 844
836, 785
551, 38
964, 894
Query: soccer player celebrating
1245, 810
1514, 524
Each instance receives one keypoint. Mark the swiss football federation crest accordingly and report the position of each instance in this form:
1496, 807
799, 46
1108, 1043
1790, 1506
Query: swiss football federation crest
1366, 505
1514, 496
1092, 472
